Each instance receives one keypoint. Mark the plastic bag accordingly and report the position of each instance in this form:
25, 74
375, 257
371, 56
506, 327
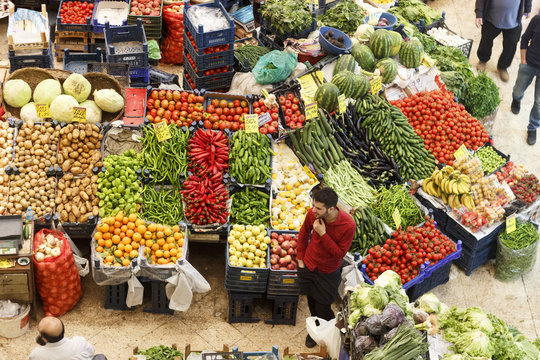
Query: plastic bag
153, 50
274, 67
135, 292
180, 287
351, 275
325, 332
83, 267
57, 278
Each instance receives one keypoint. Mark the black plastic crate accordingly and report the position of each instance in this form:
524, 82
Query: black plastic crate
439, 215
157, 77
465, 47
470, 260
28, 4
160, 303
73, 27
126, 34
80, 230
456, 232
209, 38
208, 61
279, 38
78, 63
44, 61
283, 282
500, 153
241, 307
283, 310
115, 297
252, 284
324, 6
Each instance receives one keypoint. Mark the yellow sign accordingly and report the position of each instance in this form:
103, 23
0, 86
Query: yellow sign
162, 131
397, 218
313, 4
309, 84
6, 263
42, 111
79, 114
342, 104
311, 111
288, 281
376, 85
246, 278
461, 152
309, 172
510, 224
252, 123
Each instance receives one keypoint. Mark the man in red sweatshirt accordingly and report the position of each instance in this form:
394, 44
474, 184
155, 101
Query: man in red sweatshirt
319, 257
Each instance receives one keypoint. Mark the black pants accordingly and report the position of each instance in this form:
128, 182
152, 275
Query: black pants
323, 311
510, 41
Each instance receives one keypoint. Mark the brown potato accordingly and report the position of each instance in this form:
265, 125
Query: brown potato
76, 170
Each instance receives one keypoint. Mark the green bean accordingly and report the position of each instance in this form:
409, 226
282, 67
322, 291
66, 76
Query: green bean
524, 235
351, 187
163, 206
397, 196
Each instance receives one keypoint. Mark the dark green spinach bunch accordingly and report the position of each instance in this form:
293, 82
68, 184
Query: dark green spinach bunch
287, 16
346, 16
482, 96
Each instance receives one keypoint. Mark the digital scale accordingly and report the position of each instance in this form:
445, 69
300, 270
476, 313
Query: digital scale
11, 234
244, 18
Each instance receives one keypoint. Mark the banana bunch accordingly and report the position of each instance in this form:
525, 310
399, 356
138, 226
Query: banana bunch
453, 187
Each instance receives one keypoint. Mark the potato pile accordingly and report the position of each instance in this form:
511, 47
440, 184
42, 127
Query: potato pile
6, 155
27, 190
76, 199
80, 148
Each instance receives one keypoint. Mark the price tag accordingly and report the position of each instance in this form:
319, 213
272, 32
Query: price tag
79, 114
288, 281
342, 104
461, 152
397, 218
313, 4
246, 278
43, 111
162, 131
252, 123
510, 224
264, 118
309, 172
309, 84
311, 111
376, 85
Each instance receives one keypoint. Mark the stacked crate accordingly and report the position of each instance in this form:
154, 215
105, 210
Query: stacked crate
208, 56
96, 37
152, 24
74, 37
127, 44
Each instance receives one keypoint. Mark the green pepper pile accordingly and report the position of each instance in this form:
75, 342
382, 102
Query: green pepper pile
250, 207
250, 158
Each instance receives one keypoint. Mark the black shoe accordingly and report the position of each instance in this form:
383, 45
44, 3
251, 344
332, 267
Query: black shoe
310, 343
531, 138
515, 107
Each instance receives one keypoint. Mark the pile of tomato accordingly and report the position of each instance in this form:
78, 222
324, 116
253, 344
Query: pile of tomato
443, 124
223, 114
208, 50
209, 72
260, 108
178, 107
408, 250
290, 104
75, 12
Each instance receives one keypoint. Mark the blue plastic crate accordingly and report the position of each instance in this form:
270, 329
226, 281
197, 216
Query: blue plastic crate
139, 72
283, 282
200, 70
73, 27
471, 260
124, 34
456, 232
78, 63
211, 82
45, 60
209, 61
255, 354
99, 28
210, 38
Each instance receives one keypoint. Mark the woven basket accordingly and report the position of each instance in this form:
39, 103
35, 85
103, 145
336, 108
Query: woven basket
32, 76
101, 81
61, 75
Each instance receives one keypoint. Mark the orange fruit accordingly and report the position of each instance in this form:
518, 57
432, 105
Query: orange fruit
126, 240
129, 233
117, 231
124, 228
134, 253
170, 240
126, 262
181, 242
107, 235
173, 252
135, 245
147, 250
167, 231
149, 243
159, 227
119, 216
162, 261
99, 249
128, 248
98, 235
155, 247
141, 229
159, 253
166, 254
153, 257
177, 235
126, 254
104, 228
165, 246
110, 220
172, 246
117, 264
148, 235
173, 259
152, 227
132, 217
121, 247
125, 220
136, 237
116, 239
101, 242
161, 242
160, 234
108, 243
118, 253
139, 222
131, 225
122, 235
176, 228
109, 259
117, 224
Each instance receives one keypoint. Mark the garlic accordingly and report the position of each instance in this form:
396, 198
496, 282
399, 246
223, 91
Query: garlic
55, 252
47, 250
39, 256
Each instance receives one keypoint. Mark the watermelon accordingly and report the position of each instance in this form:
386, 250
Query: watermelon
411, 53
345, 62
361, 86
363, 56
344, 81
326, 96
388, 68
396, 41
380, 43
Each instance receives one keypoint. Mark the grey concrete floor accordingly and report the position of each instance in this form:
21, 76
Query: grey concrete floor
205, 326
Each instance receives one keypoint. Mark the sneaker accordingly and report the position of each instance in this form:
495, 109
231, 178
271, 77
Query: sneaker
503, 74
515, 107
310, 343
531, 140
481, 66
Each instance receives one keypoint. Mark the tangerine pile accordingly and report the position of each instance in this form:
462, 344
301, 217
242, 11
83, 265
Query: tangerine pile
119, 238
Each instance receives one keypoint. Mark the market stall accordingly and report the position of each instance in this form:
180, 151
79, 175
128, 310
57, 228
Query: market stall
381, 105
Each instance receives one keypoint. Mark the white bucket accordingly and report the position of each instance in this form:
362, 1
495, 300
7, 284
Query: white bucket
15, 326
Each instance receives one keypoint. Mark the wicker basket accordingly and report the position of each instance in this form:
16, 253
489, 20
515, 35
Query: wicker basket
61, 75
101, 81
32, 76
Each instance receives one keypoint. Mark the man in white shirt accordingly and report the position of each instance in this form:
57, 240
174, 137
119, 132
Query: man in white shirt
54, 346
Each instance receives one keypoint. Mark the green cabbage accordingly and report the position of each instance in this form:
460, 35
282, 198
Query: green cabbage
389, 280
93, 112
354, 317
17, 93
474, 343
46, 91
371, 310
77, 86
477, 319
29, 113
429, 303
360, 298
62, 108
109, 100
378, 297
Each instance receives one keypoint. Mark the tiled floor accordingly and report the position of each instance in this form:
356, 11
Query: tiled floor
205, 326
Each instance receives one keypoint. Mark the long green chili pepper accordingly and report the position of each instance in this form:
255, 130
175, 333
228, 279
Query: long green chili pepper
397, 196
524, 235
163, 206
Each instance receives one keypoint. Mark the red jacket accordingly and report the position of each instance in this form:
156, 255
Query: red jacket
325, 253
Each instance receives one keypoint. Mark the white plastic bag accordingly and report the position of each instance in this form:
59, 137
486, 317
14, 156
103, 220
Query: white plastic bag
350, 276
135, 292
82, 263
325, 332
180, 287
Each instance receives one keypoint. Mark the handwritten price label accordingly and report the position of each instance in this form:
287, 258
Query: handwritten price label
43, 111
309, 172
309, 84
376, 85
162, 131
397, 218
510, 224
252, 123
461, 152
311, 111
79, 114
264, 118
342, 103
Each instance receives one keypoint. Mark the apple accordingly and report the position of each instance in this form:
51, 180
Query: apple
276, 250
281, 239
287, 237
274, 243
291, 251
286, 245
293, 244
275, 267
274, 235
291, 267
283, 253
287, 259
283, 262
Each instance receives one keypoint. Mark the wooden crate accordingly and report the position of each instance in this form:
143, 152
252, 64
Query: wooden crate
75, 41
29, 26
